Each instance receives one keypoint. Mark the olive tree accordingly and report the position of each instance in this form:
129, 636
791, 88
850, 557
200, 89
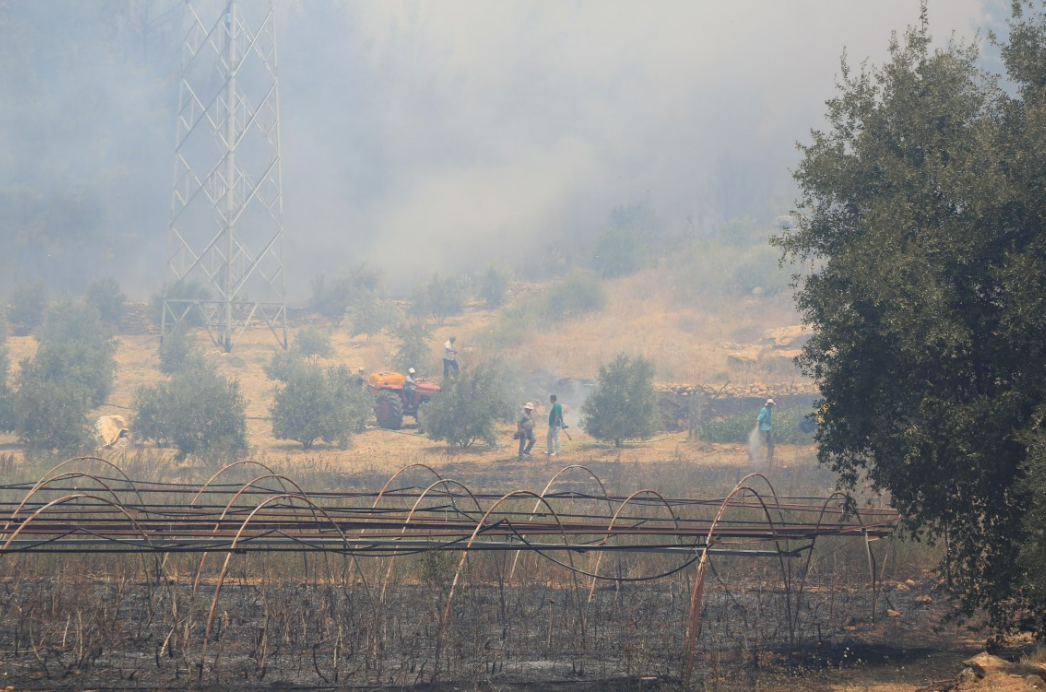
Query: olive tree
439, 298
178, 350
624, 405
76, 347
106, 296
28, 304
70, 374
316, 404
198, 411
469, 406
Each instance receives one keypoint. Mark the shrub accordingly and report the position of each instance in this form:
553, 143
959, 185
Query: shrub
332, 299
209, 414
313, 342
51, 412
468, 407
198, 411
577, 293
71, 373
758, 268
28, 304
371, 312
309, 342
151, 410
701, 271
178, 351
512, 326
493, 284
415, 350
738, 233
107, 298
315, 404
282, 365
624, 405
75, 349
707, 269
619, 251
439, 298
190, 289
364, 277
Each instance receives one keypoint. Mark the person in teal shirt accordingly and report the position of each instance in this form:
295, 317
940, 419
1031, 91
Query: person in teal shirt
765, 423
555, 424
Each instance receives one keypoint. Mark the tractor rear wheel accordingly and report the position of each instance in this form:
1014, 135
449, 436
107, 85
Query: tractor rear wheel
388, 409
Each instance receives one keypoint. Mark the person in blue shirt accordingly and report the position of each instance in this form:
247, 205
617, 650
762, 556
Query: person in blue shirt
764, 422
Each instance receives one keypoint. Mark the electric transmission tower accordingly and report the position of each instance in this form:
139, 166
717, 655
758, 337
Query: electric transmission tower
224, 267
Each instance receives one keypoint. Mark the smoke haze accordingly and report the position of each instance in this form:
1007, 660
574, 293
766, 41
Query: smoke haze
430, 136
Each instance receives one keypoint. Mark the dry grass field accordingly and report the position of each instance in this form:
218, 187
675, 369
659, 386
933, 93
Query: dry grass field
718, 342
687, 342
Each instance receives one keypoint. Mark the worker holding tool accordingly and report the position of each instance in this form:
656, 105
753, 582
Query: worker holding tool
525, 431
555, 424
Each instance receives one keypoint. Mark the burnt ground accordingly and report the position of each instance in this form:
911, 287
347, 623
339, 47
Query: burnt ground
902, 653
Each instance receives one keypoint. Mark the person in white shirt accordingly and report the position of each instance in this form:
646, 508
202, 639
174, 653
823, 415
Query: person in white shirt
450, 358
410, 384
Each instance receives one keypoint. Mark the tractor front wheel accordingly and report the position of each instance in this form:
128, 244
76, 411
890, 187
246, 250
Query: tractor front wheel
388, 409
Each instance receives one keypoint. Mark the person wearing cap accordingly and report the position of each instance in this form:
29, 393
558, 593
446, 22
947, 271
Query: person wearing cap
763, 420
555, 424
450, 357
361, 379
525, 431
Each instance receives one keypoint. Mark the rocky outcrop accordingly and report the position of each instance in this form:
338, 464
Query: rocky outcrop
985, 671
681, 404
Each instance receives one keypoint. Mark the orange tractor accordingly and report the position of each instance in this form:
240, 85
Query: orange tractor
392, 401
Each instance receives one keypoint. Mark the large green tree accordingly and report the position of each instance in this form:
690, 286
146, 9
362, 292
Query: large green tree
920, 228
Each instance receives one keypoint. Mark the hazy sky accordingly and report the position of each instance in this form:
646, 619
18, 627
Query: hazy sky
441, 135
458, 129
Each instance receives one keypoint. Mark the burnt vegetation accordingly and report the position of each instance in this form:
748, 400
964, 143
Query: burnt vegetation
409, 617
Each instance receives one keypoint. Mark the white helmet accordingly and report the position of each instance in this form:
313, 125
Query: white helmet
410, 371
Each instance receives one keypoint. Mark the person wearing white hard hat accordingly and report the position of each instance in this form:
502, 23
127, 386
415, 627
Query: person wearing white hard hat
525, 431
765, 423
410, 384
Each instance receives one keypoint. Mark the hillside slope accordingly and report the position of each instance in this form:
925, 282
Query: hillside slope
716, 342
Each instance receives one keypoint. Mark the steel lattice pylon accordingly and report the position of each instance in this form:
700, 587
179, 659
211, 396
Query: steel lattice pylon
224, 263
